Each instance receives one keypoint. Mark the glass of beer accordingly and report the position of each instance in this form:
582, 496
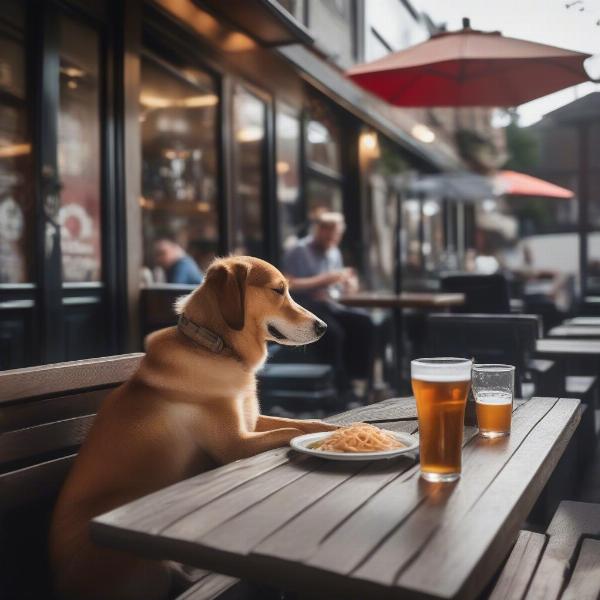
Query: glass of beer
493, 388
441, 387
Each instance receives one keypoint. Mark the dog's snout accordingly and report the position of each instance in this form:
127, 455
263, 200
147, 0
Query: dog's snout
320, 327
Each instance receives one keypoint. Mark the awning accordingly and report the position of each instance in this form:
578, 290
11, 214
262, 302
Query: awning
457, 187
512, 183
264, 20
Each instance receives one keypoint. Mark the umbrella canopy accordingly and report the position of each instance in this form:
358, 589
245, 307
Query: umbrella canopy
471, 68
511, 183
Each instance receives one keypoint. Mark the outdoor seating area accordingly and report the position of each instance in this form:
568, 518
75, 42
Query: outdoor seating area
299, 300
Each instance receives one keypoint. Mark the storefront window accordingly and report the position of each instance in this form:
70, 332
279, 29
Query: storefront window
16, 194
323, 157
249, 113
178, 114
79, 153
291, 217
322, 196
323, 135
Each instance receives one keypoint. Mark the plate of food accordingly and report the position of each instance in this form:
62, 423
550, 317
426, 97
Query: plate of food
359, 441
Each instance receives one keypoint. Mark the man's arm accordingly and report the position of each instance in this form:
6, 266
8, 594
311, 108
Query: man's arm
301, 284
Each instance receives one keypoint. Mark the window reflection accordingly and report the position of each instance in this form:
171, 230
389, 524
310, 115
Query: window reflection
178, 113
249, 159
323, 195
16, 199
79, 152
291, 218
323, 137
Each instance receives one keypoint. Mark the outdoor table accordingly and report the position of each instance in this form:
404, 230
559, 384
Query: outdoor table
575, 332
396, 302
578, 356
364, 529
583, 321
422, 300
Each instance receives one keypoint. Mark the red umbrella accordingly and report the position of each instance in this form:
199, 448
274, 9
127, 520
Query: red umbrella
512, 183
471, 68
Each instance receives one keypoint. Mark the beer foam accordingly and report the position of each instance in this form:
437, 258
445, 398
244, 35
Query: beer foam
444, 370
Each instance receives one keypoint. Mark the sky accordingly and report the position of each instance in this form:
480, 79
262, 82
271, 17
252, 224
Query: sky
545, 21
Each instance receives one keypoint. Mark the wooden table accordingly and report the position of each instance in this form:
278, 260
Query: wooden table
422, 300
575, 332
364, 530
575, 348
397, 302
583, 321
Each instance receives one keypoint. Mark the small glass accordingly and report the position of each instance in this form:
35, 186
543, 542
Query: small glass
441, 387
493, 388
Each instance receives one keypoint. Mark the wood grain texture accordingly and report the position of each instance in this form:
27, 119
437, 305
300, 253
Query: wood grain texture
209, 587
357, 529
570, 523
585, 579
66, 377
43, 439
520, 567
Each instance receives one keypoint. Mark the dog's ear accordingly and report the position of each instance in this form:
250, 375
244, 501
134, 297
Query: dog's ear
229, 284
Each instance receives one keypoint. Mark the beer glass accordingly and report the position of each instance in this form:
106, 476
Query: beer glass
441, 387
493, 388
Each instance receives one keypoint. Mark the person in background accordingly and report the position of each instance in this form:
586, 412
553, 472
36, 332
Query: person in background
179, 267
317, 276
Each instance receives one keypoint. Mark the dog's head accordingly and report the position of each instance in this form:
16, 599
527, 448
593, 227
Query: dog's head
250, 296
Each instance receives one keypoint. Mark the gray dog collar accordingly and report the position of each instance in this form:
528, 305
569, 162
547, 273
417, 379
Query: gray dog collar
200, 335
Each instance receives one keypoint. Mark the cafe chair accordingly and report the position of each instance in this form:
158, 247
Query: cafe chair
45, 415
483, 293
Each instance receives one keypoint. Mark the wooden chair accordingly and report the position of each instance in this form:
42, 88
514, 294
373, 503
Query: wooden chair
45, 414
562, 563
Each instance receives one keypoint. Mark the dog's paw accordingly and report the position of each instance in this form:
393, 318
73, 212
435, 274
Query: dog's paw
315, 426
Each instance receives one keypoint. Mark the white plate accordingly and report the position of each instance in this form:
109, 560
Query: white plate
302, 443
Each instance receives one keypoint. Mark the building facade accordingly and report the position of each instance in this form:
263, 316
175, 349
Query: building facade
222, 126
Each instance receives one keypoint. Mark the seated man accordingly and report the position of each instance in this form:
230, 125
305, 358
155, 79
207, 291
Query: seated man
316, 273
179, 267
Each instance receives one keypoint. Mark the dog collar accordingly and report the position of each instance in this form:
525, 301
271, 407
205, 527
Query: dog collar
200, 335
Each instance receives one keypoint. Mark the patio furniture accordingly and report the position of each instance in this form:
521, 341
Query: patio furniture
566, 331
422, 301
491, 338
562, 563
45, 415
483, 293
369, 530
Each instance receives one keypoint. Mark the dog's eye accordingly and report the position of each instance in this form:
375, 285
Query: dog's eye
279, 291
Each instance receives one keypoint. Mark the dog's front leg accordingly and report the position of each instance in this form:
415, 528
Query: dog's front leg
266, 423
255, 442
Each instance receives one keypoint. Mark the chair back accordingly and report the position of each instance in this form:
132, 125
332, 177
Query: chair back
488, 338
483, 293
45, 414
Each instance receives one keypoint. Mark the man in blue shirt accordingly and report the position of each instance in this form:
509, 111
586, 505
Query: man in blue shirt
179, 267
317, 276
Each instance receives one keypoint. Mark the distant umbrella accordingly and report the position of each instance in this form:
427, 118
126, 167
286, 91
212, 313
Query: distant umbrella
471, 68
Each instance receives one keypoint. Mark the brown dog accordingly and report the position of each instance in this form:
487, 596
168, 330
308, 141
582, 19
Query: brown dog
191, 406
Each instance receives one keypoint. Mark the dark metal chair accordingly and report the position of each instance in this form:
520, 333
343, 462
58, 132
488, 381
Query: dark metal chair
483, 293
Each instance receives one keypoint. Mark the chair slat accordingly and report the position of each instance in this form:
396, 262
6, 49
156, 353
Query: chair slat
48, 380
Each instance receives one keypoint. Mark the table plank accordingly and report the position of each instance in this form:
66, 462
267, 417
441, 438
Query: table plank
393, 409
481, 463
583, 321
402, 300
468, 545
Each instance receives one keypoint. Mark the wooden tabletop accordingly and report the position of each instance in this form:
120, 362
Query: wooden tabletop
365, 529
575, 332
424, 300
583, 321
567, 347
